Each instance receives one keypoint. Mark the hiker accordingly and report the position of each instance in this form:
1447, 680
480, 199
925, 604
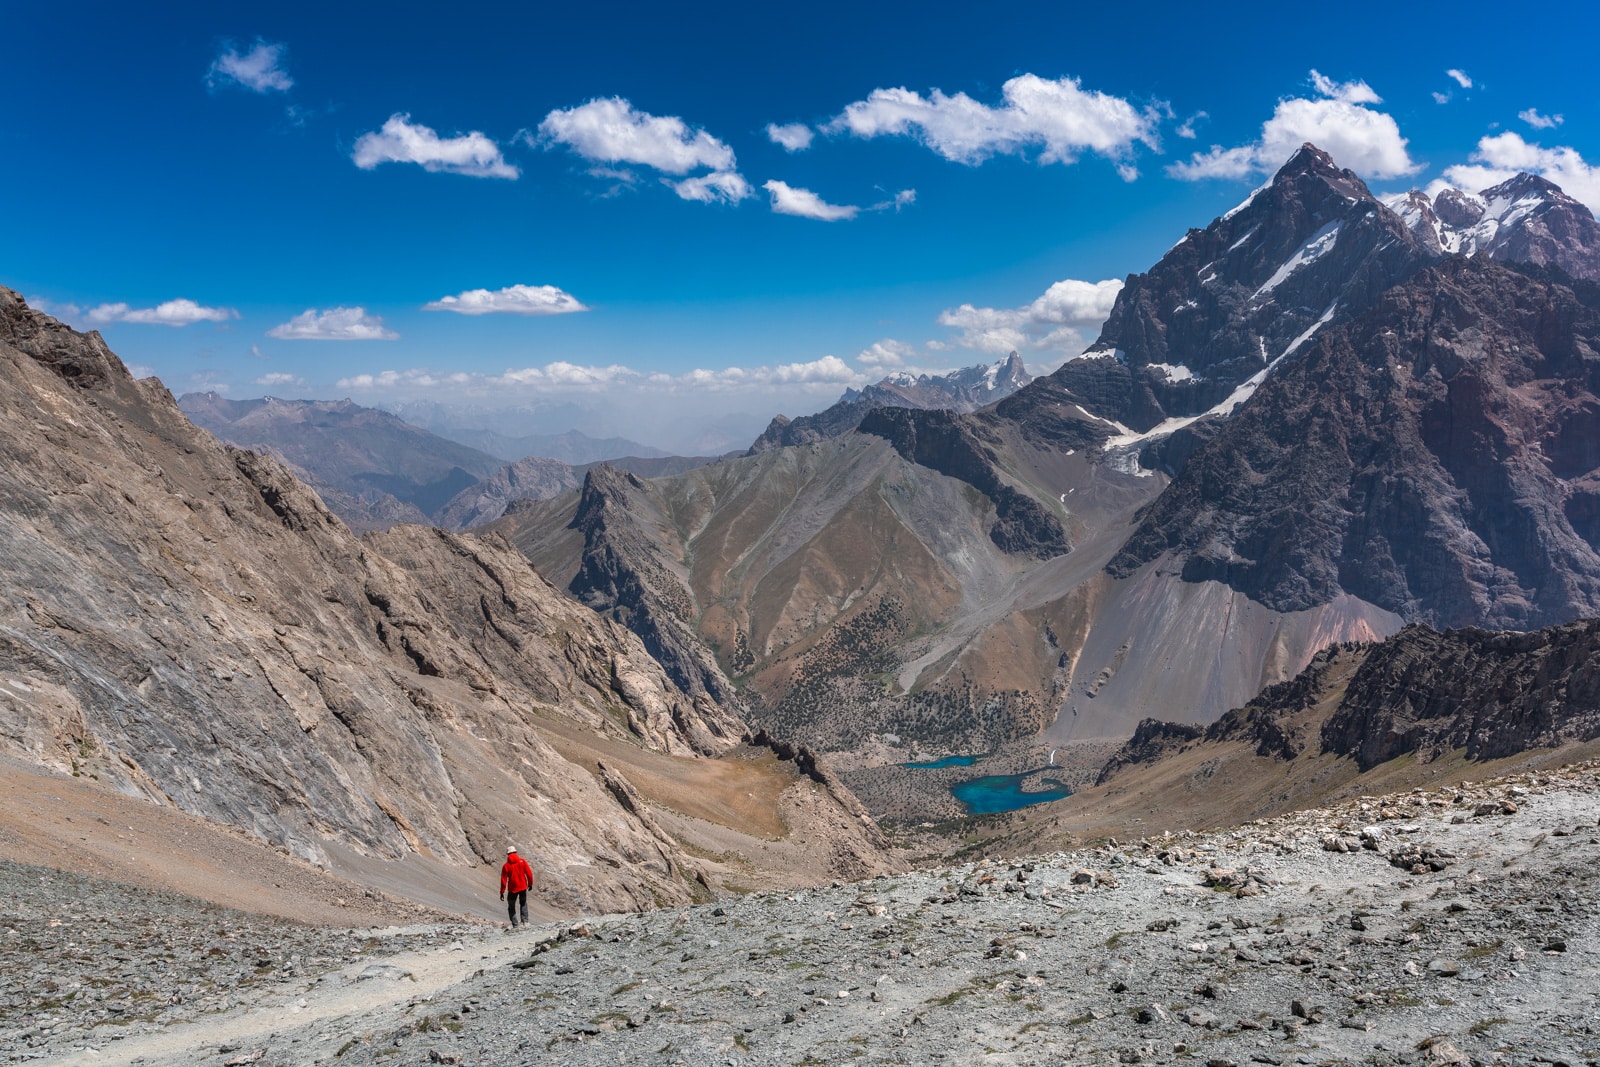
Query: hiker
516, 878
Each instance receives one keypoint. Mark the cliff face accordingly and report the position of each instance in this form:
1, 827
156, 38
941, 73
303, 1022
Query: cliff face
1435, 456
1421, 693
189, 623
623, 575
1492, 694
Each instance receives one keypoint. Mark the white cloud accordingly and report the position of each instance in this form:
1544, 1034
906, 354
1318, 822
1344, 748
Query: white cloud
1339, 123
280, 378
725, 185
1186, 131
259, 70
561, 378
172, 313
887, 354
402, 141
793, 136
611, 131
904, 198
1460, 77
1059, 320
335, 324
512, 300
1059, 118
788, 200
1441, 98
1538, 121
1504, 156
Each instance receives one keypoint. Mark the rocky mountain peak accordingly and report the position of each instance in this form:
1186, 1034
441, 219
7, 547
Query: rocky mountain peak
1311, 246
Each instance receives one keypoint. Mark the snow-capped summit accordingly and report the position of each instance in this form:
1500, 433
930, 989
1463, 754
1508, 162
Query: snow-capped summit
966, 389
1524, 220
1228, 301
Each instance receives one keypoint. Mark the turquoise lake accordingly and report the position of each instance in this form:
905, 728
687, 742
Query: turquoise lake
996, 793
938, 764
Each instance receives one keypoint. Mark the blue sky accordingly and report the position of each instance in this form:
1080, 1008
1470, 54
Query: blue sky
307, 200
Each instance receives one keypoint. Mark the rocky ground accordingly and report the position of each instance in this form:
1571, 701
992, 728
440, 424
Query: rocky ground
1448, 926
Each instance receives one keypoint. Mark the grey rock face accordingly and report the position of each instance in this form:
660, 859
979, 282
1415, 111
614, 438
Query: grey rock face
623, 575
191, 624
1226, 301
1433, 456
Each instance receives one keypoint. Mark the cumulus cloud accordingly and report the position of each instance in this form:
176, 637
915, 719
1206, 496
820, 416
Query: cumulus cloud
1460, 77
1059, 119
1338, 120
172, 313
1441, 98
611, 131
280, 378
260, 70
887, 354
793, 136
1538, 121
1059, 320
725, 185
512, 300
788, 200
334, 324
402, 141
1504, 156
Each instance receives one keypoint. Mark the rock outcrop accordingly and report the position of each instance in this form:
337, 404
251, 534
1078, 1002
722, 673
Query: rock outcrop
1421, 693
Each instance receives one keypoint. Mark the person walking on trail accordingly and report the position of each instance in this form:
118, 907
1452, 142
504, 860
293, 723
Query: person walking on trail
516, 878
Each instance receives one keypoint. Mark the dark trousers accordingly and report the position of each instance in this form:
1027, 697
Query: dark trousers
518, 899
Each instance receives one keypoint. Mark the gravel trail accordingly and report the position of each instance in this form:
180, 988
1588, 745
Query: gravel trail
1450, 926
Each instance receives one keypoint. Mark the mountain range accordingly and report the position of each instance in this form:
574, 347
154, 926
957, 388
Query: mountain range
1323, 420
1313, 421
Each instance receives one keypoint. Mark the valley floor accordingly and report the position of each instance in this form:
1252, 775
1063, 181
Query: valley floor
1467, 931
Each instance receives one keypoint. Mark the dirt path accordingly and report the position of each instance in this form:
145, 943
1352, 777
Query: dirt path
364, 991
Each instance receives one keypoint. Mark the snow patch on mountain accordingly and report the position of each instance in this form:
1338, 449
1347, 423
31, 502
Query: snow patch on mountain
1317, 246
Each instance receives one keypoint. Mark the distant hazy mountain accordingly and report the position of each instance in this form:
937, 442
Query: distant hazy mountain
967, 389
375, 462
573, 447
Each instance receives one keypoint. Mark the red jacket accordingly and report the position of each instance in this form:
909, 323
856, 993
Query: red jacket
516, 875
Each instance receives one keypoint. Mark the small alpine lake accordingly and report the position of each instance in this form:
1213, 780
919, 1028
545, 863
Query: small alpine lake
995, 793
941, 764
992, 794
